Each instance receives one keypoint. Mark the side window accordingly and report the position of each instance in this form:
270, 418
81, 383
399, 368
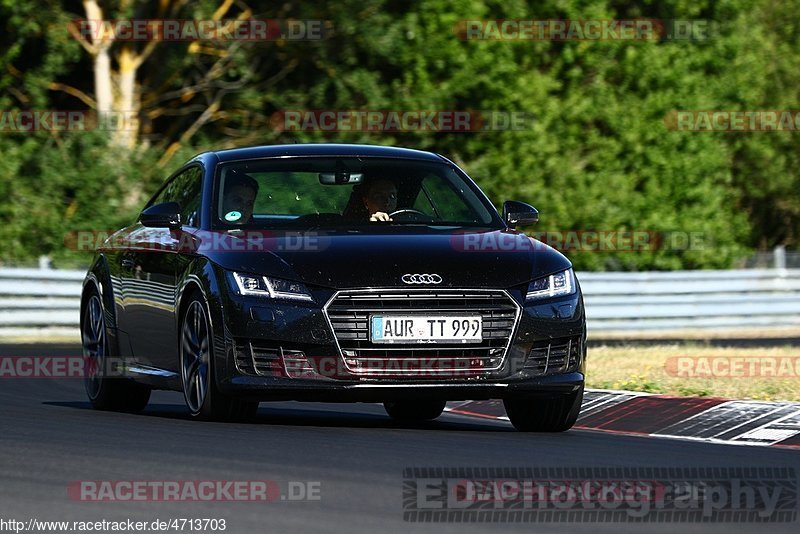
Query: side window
186, 190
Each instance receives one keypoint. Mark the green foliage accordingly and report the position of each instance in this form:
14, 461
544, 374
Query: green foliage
64, 185
597, 156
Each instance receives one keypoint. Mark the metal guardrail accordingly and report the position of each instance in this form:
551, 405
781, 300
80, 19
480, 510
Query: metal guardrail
691, 300
39, 298
616, 302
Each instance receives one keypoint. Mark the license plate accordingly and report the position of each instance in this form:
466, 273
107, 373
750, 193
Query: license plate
426, 328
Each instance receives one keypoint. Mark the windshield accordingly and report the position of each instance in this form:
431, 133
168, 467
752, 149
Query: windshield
346, 192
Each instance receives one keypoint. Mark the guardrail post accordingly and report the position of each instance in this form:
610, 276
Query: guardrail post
44, 263
779, 254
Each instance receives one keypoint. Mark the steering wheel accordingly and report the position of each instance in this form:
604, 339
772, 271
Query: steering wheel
409, 211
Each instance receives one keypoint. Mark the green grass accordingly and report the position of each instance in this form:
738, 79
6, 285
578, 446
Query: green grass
653, 370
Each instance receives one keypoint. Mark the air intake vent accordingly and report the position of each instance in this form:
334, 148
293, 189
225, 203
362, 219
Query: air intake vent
554, 356
258, 360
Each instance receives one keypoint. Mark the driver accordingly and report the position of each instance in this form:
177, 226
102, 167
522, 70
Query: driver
380, 199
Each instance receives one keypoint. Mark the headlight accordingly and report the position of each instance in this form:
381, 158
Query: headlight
555, 285
266, 286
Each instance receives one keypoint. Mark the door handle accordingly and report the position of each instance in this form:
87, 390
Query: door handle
128, 264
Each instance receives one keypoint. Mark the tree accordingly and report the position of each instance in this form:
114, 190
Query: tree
597, 156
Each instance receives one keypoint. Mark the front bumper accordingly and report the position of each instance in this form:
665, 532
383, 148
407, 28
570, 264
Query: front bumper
303, 328
264, 389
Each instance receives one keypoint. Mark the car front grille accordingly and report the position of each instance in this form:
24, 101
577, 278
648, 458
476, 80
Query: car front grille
553, 356
349, 311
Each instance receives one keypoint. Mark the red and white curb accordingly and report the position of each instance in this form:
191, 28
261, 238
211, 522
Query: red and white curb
711, 420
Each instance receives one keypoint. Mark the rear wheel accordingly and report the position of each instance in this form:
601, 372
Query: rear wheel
203, 398
105, 392
555, 414
414, 410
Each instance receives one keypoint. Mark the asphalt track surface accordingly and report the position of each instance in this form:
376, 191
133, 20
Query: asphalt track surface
49, 436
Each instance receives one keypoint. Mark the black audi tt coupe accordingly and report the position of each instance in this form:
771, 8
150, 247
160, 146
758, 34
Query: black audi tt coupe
338, 273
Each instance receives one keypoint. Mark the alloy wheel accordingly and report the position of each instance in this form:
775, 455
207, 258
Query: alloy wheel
94, 346
195, 356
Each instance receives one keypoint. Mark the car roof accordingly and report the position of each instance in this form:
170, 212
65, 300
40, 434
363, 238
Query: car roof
324, 149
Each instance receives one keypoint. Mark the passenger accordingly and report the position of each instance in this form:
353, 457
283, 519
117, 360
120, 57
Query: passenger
240, 196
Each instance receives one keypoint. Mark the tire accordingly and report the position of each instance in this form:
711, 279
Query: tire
556, 414
104, 392
198, 371
414, 410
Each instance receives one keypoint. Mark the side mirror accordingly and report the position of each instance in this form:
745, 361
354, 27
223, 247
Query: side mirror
519, 214
164, 215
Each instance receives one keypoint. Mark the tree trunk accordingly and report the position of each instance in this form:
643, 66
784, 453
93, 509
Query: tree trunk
117, 107
126, 103
103, 93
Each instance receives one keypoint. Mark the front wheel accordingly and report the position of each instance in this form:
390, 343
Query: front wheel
414, 410
203, 398
555, 414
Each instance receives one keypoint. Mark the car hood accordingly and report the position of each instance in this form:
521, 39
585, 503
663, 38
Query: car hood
492, 259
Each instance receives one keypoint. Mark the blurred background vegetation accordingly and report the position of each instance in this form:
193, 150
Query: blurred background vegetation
597, 157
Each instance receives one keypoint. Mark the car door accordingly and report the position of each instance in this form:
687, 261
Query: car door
151, 266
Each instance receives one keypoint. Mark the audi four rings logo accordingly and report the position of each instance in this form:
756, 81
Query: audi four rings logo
421, 279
